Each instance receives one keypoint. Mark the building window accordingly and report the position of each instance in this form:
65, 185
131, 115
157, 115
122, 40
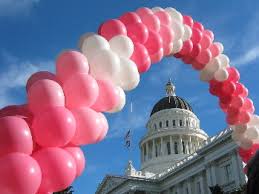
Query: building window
228, 173
198, 187
156, 150
181, 123
184, 147
187, 123
168, 148
167, 123
155, 126
174, 123
175, 148
160, 124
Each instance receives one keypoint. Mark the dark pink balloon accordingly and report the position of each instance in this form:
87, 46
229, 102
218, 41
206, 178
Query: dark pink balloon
20, 174
112, 28
204, 57
178, 55
154, 43
58, 168
88, 126
151, 21
228, 88
130, 18
237, 102
205, 41
215, 87
144, 11
70, 62
141, 58
248, 105
137, 32
197, 65
233, 74
232, 120
188, 20
39, 76
244, 117
54, 127
198, 26
187, 48
187, 60
167, 36
225, 99
44, 94
164, 17
214, 49
80, 90
108, 96
79, 158
196, 35
15, 136
209, 33
195, 50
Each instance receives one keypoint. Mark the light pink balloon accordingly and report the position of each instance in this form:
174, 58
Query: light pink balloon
164, 17
112, 28
141, 58
39, 76
54, 127
58, 169
167, 36
20, 174
137, 32
44, 94
209, 33
205, 42
204, 57
15, 136
88, 126
154, 43
157, 57
80, 90
108, 96
130, 18
143, 11
214, 49
151, 21
104, 127
79, 158
70, 62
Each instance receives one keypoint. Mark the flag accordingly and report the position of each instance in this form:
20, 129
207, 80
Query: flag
127, 139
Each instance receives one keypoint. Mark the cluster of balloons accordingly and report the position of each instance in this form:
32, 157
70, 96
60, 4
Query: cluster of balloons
40, 141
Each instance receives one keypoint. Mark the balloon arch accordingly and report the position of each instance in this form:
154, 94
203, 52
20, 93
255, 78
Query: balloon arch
39, 141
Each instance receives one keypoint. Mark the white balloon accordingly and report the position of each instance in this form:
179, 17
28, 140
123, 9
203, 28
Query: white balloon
239, 128
245, 143
206, 76
177, 46
254, 121
122, 101
92, 45
213, 65
178, 29
82, 39
224, 60
105, 65
175, 15
122, 45
220, 45
221, 75
128, 77
187, 32
156, 9
252, 133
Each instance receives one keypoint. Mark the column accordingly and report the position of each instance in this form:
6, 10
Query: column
235, 169
187, 147
191, 147
202, 183
208, 177
162, 146
213, 174
153, 149
171, 145
180, 147
198, 142
189, 186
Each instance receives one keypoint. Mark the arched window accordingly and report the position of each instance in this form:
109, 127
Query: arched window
181, 123
160, 124
184, 147
174, 123
167, 123
175, 148
168, 148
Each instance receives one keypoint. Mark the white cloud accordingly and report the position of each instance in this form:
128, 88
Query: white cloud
16, 7
16, 75
248, 57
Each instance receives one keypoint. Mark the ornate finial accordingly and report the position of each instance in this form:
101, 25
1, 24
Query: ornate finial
170, 88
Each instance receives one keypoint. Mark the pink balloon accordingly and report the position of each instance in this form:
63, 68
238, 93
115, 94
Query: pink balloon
130, 18
137, 32
234, 74
108, 96
54, 127
205, 41
239, 89
88, 126
154, 43
204, 57
143, 11
141, 58
195, 50
167, 36
39, 76
151, 21
20, 174
248, 104
155, 58
164, 17
198, 26
167, 49
196, 35
105, 126
187, 48
197, 65
209, 33
244, 117
58, 168
79, 158
44, 94
15, 136
227, 88
214, 49
70, 62
189, 60
112, 28
188, 20
80, 90
237, 102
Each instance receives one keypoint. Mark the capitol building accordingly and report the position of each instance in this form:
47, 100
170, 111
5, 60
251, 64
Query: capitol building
177, 156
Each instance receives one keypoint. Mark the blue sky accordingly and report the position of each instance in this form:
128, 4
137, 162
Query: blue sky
34, 32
